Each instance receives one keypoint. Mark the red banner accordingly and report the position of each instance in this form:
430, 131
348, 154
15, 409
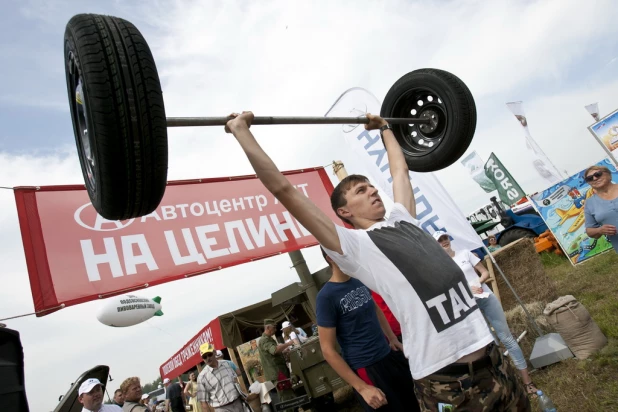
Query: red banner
189, 355
74, 255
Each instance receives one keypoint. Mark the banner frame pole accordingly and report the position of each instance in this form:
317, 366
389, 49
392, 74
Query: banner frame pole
521, 303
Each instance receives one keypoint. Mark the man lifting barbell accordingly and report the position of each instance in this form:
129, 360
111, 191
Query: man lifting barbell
451, 353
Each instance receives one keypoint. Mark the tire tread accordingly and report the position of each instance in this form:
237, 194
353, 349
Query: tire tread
127, 114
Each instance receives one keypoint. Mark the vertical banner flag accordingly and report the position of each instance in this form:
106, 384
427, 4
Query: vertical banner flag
606, 133
434, 207
475, 166
562, 207
541, 162
593, 109
508, 189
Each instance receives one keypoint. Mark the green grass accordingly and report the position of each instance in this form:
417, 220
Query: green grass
578, 385
591, 384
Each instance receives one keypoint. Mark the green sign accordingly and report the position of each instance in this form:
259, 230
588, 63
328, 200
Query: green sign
508, 189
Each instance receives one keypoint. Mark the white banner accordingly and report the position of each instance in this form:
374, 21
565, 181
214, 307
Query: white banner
434, 207
605, 131
540, 162
593, 109
476, 168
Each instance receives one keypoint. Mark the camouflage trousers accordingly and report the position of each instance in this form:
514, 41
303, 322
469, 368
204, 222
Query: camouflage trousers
492, 388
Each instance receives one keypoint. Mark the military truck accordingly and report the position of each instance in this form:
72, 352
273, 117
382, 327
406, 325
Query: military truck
314, 380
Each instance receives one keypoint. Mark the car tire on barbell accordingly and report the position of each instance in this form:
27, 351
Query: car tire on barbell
118, 115
442, 97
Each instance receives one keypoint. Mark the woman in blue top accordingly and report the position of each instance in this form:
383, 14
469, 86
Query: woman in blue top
601, 209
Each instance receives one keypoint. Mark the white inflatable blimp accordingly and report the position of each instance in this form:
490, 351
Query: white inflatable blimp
129, 310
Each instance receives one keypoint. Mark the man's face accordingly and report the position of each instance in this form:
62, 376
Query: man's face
93, 399
210, 359
133, 393
363, 201
119, 398
270, 330
253, 344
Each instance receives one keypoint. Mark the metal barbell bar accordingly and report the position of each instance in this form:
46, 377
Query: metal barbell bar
266, 120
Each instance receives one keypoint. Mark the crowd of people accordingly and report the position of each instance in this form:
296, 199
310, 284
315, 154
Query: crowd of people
180, 396
412, 317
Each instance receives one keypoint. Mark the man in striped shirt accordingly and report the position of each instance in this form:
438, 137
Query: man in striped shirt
216, 384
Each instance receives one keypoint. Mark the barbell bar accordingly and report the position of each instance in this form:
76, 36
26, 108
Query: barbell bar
274, 120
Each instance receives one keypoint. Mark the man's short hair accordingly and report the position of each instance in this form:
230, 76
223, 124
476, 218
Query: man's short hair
337, 198
116, 392
129, 382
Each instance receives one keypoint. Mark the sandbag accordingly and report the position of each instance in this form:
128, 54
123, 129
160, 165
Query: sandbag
573, 322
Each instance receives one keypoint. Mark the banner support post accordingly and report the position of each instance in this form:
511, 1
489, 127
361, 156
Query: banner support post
306, 280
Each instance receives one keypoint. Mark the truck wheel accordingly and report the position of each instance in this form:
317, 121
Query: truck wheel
118, 115
444, 99
514, 234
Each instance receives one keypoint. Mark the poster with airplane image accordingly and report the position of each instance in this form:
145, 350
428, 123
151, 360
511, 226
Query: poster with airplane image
606, 133
562, 208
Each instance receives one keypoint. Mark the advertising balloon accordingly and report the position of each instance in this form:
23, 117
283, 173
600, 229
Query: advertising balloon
128, 310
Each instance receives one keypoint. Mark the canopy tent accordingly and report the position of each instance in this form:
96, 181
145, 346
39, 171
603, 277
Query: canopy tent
242, 325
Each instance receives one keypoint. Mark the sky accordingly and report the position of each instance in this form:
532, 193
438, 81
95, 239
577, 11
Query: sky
281, 58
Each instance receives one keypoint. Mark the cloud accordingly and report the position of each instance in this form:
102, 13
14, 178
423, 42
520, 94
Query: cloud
282, 58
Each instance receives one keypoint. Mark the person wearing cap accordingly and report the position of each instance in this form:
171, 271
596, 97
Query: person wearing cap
373, 365
443, 331
144, 402
273, 362
90, 394
217, 384
174, 399
132, 391
220, 358
290, 332
470, 264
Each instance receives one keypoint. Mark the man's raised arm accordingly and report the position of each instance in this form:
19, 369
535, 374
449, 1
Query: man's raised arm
402, 188
303, 209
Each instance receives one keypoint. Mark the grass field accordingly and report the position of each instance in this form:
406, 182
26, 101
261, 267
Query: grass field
576, 385
591, 384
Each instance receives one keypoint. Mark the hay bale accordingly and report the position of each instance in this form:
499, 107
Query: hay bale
518, 322
522, 266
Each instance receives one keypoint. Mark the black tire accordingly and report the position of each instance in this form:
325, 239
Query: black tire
514, 234
118, 115
445, 99
507, 221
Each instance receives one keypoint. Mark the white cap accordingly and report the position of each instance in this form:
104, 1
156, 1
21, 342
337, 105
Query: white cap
145, 396
439, 233
285, 324
166, 381
218, 354
88, 385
